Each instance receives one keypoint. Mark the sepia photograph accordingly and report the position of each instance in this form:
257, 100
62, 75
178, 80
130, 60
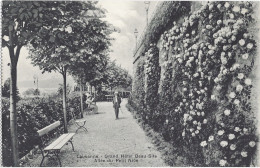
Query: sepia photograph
130, 83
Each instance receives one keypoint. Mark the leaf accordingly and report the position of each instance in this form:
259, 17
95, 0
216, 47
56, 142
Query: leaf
21, 16
21, 10
52, 39
10, 27
36, 3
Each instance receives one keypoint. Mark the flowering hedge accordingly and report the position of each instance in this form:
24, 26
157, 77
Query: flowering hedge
206, 85
32, 115
152, 78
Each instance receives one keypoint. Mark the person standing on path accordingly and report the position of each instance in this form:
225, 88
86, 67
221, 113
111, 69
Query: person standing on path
116, 103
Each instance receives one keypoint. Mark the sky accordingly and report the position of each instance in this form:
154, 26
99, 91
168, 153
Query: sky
125, 15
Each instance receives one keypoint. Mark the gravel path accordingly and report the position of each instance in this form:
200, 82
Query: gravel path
109, 142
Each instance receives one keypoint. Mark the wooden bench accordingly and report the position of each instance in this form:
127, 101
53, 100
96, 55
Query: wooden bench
55, 147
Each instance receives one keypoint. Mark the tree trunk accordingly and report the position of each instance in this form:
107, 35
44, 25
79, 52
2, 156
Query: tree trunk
13, 112
90, 89
13, 100
64, 101
81, 98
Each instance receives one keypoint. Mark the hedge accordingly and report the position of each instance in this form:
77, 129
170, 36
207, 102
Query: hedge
33, 114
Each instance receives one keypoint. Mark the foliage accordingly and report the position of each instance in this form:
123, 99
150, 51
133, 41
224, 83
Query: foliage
60, 89
31, 91
152, 75
204, 103
6, 89
169, 11
33, 114
115, 76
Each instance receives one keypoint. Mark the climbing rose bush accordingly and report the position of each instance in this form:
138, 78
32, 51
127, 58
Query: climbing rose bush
207, 82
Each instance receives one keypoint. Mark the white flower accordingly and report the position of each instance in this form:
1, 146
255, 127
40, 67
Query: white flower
240, 76
198, 128
236, 9
227, 5
68, 29
202, 113
185, 116
183, 133
213, 97
221, 132
190, 118
224, 61
232, 147
233, 38
208, 26
245, 130
211, 6
249, 45
223, 143
239, 88
205, 121
211, 138
195, 122
244, 154
197, 131
244, 11
245, 56
237, 129
245, 35
236, 101
252, 144
227, 112
231, 15
203, 143
6, 38
219, 22
235, 66
222, 162
193, 134
232, 95
242, 42
218, 87
248, 81
231, 136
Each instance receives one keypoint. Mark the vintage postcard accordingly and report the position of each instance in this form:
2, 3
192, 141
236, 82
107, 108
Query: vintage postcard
130, 83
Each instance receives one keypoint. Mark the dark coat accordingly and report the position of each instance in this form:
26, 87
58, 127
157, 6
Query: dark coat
116, 104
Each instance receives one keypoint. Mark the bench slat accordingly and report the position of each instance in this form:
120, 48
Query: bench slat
56, 142
47, 129
64, 141
60, 142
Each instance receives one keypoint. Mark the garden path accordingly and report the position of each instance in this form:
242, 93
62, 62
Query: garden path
107, 137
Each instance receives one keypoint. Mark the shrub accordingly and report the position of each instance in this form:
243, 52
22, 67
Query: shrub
32, 115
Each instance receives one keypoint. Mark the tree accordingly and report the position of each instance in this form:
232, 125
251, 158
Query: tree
74, 39
115, 76
21, 22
